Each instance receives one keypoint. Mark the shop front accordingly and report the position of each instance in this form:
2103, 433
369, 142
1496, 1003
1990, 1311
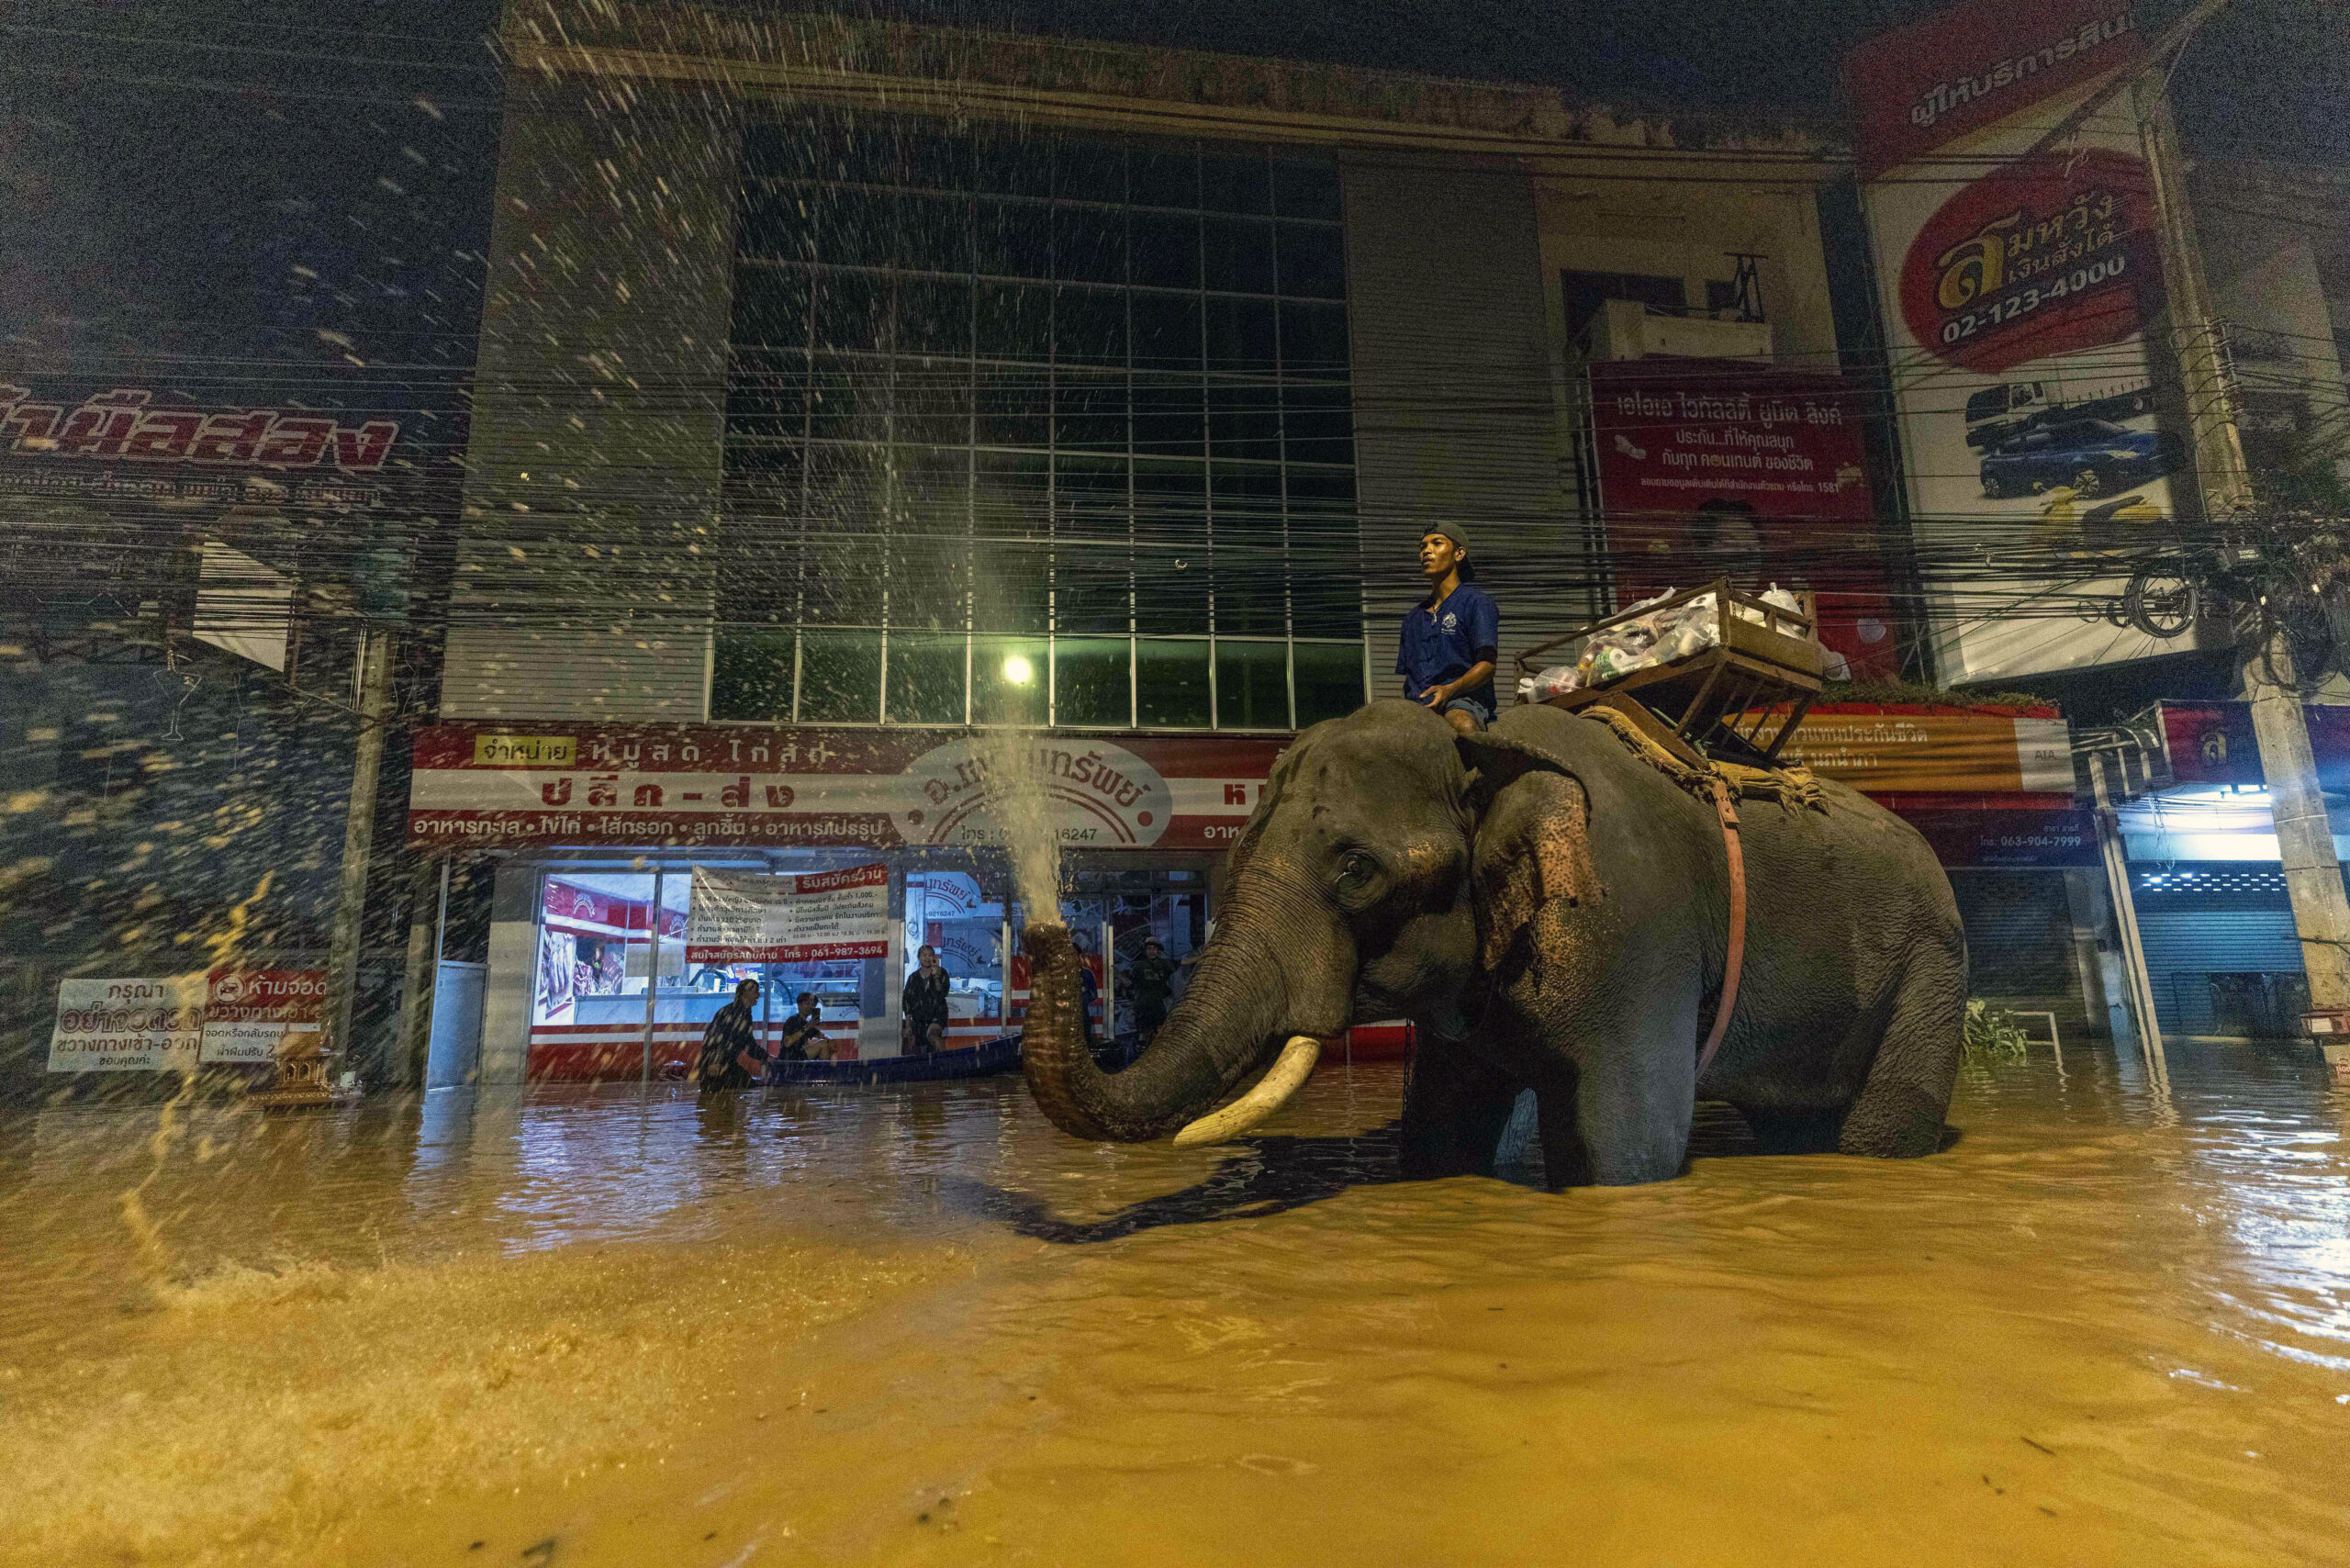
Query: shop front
614, 844
1992, 790
2223, 957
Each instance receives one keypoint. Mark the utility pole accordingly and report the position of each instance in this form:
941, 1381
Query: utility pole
2304, 834
373, 679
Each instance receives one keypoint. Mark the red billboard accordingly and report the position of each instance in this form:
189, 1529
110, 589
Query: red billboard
2047, 256
1929, 83
1708, 467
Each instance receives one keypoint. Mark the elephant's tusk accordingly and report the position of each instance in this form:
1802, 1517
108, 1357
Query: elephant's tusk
1292, 1068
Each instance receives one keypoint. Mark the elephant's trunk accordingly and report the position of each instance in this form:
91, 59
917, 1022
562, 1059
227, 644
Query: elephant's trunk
1246, 999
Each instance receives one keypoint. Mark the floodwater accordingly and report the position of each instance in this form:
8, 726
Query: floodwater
918, 1326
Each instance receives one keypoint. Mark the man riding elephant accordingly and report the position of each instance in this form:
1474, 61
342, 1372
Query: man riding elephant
1553, 912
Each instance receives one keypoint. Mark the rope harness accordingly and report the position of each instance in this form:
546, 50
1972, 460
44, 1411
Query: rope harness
1723, 784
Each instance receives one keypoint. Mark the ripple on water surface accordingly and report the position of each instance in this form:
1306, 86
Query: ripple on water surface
913, 1326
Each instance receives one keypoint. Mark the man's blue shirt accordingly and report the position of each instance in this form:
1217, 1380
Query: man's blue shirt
1436, 648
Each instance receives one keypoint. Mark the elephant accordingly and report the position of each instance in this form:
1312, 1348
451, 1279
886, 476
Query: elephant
1551, 911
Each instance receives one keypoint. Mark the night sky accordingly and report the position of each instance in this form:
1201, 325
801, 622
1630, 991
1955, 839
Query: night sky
238, 195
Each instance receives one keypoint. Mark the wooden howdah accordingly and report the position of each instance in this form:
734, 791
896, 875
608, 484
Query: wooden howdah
1739, 700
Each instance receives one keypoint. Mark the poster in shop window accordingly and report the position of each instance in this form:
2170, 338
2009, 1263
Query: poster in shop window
747, 917
2017, 292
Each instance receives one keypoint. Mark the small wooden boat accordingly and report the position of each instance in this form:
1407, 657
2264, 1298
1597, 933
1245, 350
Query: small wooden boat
982, 1060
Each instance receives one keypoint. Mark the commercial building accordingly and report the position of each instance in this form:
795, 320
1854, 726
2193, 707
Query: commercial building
853, 395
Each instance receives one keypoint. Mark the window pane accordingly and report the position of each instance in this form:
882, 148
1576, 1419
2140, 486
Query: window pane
1014, 238
1306, 188
1089, 170
1090, 411
935, 317
1240, 336
840, 677
1330, 680
1236, 183
1170, 415
1239, 254
1313, 262
1171, 682
925, 680
1090, 326
1166, 250
1244, 421
1167, 332
849, 310
1008, 678
1168, 177
1314, 340
1317, 424
1014, 406
751, 675
1251, 685
1171, 572
1090, 244
1089, 681
1015, 321
771, 308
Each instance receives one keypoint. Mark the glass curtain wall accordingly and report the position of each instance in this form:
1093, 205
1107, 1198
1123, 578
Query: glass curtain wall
1036, 429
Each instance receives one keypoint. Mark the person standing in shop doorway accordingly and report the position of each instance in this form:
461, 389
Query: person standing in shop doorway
1452, 637
923, 1002
733, 1035
1150, 979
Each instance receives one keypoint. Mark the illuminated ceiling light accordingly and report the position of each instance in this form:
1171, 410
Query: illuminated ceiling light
1018, 670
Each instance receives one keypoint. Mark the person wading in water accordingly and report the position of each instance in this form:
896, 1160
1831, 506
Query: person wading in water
733, 1035
1452, 637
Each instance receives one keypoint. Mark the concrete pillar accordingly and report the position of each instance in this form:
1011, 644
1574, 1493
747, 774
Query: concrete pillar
513, 974
374, 683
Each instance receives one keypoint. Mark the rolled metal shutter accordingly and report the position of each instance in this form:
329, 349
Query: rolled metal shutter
1455, 402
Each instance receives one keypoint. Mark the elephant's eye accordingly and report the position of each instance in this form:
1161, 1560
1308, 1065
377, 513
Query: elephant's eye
1356, 871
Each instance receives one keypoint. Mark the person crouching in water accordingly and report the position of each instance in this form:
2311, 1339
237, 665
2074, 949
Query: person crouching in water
1452, 637
733, 1035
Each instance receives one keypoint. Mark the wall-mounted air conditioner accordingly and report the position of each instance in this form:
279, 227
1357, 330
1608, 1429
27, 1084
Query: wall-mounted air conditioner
1626, 329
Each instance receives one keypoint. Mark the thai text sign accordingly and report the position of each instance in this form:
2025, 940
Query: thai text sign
748, 917
1707, 466
128, 1025
1896, 754
251, 1012
481, 786
123, 442
1921, 86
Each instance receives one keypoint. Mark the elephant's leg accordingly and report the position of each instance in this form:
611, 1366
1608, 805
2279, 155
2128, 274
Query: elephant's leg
1618, 1113
1455, 1107
1898, 1114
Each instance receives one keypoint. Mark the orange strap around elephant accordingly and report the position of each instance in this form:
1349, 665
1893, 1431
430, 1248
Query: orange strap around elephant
1737, 958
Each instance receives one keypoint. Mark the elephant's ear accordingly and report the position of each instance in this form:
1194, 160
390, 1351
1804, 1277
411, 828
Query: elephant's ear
1533, 843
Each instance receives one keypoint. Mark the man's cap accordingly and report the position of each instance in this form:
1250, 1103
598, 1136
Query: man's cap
1452, 531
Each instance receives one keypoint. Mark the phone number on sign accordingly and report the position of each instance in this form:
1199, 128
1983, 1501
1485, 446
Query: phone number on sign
2024, 301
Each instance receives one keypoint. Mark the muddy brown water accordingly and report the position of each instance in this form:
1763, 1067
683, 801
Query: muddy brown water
918, 1326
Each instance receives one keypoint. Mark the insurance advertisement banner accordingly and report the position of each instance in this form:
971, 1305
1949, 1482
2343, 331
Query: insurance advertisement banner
485, 786
750, 917
2017, 292
1760, 473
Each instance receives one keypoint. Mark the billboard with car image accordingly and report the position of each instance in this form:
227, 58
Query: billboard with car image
2017, 286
